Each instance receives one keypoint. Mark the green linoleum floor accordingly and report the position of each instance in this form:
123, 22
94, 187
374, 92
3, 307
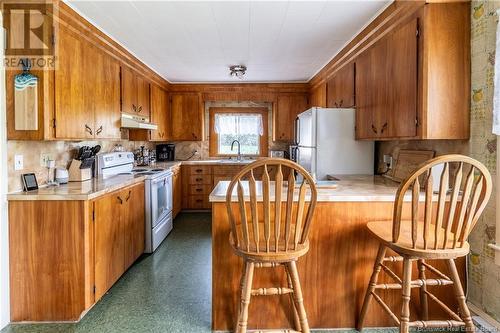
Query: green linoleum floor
169, 291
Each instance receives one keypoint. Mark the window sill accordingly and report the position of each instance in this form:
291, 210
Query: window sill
497, 252
494, 247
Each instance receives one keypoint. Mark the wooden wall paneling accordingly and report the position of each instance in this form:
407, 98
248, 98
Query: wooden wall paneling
446, 103
45, 236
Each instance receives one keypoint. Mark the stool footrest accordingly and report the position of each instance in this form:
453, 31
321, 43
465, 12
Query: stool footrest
271, 291
274, 331
437, 323
415, 284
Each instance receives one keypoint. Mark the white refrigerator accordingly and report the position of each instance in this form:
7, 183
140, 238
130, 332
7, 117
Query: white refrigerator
325, 144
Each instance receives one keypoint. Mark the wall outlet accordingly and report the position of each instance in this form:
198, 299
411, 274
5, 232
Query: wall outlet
388, 161
18, 162
44, 159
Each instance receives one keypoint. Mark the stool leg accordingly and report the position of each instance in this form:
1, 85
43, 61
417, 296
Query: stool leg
371, 286
459, 293
295, 313
406, 292
246, 293
297, 296
423, 296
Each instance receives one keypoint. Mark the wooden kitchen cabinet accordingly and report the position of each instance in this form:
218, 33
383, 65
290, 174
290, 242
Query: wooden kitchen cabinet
196, 186
86, 102
134, 93
186, 117
160, 114
386, 86
119, 234
414, 83
340, 88
177, 191
288, 106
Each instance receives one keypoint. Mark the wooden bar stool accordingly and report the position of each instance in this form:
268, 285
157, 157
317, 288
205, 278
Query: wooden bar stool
275, 239
441, 234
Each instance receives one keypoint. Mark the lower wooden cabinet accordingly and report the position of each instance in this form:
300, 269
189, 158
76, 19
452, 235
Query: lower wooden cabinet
65, 254
177, 191
196, 186
119, 235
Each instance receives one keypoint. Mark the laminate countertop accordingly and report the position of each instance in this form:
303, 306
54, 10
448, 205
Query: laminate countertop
95, 187
348, 188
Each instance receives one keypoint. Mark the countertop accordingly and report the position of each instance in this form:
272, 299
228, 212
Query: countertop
94, 188
351, 188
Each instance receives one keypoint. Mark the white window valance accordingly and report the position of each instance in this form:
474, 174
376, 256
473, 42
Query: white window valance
238, 123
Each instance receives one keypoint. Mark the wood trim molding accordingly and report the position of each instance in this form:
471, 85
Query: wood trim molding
213, 136
392, 16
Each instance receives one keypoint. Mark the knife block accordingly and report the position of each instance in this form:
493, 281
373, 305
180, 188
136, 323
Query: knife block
79, 175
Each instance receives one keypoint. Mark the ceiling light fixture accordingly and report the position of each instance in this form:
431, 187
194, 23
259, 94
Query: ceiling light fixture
238, 71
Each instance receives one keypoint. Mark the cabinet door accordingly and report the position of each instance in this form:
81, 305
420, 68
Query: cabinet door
128, 90
159, 113
340, 88
177, 189
105, 87
133, 223
109, 242
143, 102
402, 96
186, 117
72, 117
287, 109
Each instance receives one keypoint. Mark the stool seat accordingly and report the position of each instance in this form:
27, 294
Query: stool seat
383, 231
272, 256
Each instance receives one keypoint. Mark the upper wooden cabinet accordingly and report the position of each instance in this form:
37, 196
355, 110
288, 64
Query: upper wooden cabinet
159, 113
317, 96
414, 83
340, 88
186, 117
288, 106
86, 102
134, 93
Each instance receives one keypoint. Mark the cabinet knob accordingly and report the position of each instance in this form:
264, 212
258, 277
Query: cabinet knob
88, 129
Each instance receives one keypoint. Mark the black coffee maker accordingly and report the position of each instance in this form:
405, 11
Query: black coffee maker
165, 152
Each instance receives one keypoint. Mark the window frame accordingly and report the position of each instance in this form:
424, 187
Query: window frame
214, 137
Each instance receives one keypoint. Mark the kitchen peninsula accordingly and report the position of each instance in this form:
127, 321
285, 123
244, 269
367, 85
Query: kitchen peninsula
333, 273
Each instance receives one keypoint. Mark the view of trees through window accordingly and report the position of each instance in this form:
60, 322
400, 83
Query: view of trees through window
246, 128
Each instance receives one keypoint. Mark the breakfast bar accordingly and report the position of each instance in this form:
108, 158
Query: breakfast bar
335, 271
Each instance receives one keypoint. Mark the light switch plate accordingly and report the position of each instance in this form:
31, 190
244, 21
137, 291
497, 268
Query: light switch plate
18, 162
388, 161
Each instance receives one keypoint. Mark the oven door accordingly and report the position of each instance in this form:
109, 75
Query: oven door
161, 198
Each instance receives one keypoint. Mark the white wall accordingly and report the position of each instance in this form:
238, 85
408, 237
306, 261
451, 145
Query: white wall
4, 230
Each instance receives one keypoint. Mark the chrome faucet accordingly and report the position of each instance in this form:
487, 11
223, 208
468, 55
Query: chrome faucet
239, 149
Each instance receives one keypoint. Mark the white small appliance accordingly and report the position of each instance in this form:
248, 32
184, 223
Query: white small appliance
62, 175
325, 144
158, 194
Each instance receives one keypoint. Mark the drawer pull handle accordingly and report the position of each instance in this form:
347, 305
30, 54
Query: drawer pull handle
128, 196
199, 170
199, 189
199, 179
199, 200
120, 199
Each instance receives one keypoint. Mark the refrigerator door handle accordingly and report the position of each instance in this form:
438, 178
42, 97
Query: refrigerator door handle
297, 131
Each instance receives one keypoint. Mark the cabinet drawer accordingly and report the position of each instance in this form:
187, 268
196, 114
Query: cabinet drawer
200, 189
198, 202
200, 180
199, 170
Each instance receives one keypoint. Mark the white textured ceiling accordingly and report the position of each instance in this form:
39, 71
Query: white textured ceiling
187, 41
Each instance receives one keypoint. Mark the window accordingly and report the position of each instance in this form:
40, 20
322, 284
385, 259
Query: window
247, 125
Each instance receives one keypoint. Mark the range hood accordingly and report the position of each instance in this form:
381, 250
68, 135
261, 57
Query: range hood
135, 121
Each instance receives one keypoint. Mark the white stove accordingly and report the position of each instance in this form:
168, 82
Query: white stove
158, 193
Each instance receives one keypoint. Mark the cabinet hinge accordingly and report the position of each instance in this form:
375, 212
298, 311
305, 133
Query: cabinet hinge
416, 122
121, 99
53, 39
54, 122
417, 33
94, 289
93, 215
